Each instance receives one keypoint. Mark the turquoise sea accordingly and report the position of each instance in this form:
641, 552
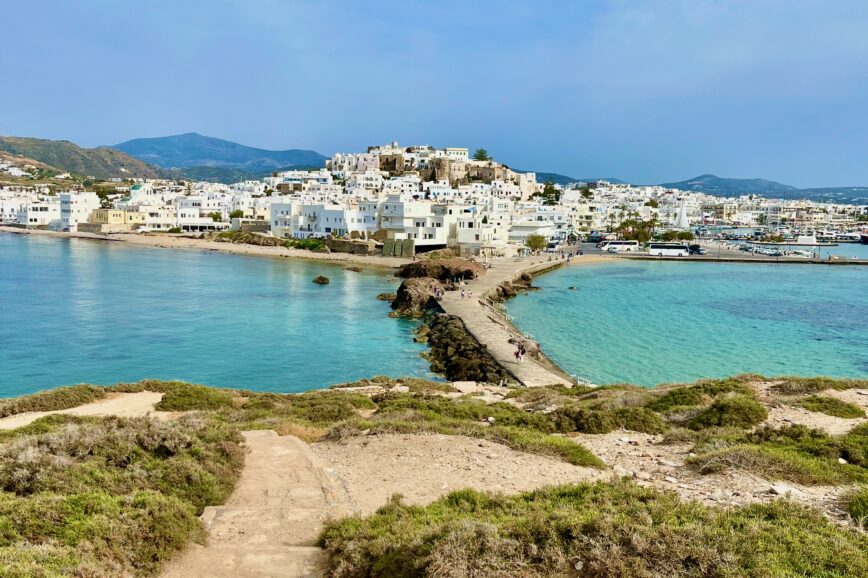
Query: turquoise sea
74, 310
655, 322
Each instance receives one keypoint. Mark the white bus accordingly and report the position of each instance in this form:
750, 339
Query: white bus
620, 246
669, 249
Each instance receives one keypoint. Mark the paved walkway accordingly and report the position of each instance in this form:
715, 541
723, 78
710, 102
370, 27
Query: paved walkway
490, 327
269, 525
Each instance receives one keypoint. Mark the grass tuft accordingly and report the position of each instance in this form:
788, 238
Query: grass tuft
831, 406
738, 411
53, 399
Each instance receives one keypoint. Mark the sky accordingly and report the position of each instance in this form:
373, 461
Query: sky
646, 91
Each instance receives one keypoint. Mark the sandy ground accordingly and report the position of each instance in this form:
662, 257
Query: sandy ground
423, 468
662, 466
166, 241
119, 404
783, 414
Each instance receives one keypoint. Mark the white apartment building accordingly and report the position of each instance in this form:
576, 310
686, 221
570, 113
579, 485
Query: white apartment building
429, 225
41, 213
76, 208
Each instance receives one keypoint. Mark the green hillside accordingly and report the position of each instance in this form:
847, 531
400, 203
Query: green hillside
100, 162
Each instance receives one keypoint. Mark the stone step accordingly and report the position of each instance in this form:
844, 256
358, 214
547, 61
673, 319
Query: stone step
250, 562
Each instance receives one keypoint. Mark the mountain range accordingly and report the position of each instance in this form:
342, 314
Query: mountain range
727, 187
195, 150
194, 156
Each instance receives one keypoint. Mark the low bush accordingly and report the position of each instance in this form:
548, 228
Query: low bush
92, 533
194, 459
831, 406
194, 397
809, 385
795, 453
53, 399
730, 411
307, 244
857, 507
109, 496
701, 393
605, 530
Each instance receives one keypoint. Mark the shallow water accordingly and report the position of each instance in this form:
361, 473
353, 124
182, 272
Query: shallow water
654, 322
73, 311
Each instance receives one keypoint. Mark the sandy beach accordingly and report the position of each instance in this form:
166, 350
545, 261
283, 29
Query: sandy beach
167, 241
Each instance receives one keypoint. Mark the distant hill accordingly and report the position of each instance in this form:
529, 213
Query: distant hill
100, 162
725, 187
559, 179
714, 185
195, 150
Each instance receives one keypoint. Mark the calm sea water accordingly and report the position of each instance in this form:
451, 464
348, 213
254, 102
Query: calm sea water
649, 323
76, 311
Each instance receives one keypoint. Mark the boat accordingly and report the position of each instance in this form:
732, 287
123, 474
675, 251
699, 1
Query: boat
864, 239
848, 237
802, 253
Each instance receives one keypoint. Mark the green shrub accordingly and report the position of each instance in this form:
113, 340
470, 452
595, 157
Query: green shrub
194, 459
307, 244
639, 419
194, 397
53, 399
605, 530
92, 533
808, 385
857, 507
699, 394
732, 411
174, 230
831, 406
794, 452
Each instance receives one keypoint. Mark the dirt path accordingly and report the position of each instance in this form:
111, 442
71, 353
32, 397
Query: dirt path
269, 525
425, 467
119, 404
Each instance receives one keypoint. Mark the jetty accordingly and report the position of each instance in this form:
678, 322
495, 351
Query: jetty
493, 328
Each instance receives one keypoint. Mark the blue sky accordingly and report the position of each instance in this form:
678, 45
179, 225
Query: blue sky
647, 91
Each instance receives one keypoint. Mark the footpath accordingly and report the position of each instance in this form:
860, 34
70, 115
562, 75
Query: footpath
493, 328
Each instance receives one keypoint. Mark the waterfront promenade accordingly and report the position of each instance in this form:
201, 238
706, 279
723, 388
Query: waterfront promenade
491, 328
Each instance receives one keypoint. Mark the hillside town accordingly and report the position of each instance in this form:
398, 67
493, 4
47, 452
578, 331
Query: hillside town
430, 198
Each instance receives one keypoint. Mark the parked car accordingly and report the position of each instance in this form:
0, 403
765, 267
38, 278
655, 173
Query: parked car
697, 250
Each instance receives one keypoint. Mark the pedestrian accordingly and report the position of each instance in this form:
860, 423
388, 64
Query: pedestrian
517, 355
462, 293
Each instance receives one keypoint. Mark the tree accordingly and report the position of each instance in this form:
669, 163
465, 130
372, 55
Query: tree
586, 193
684, 236
216, 217
481, 155
535, 242
236, 214
550, 194
652, 203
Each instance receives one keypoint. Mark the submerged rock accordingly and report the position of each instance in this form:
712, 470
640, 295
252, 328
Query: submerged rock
321, 280
387, 296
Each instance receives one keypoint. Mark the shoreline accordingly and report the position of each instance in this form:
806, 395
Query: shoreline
171, 241
494, 329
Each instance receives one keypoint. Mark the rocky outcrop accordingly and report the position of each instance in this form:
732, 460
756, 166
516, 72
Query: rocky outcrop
387, 296
354, 246
416, 296
456, 354
248, 239
508, 290
444, 270
321, 280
